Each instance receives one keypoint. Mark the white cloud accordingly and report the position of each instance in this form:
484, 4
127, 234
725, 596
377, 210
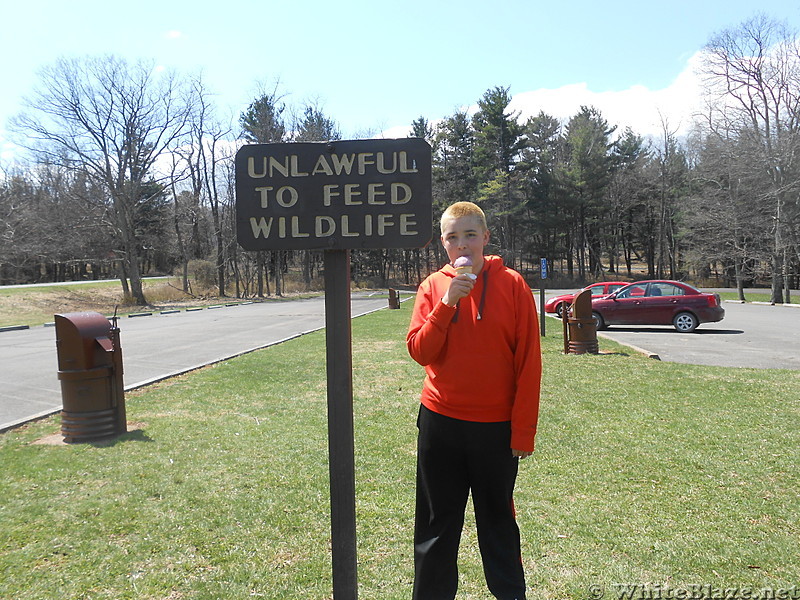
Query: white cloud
400, 131
9, 153
643, 109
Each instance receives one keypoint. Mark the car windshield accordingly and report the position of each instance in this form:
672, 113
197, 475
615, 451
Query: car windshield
631, 291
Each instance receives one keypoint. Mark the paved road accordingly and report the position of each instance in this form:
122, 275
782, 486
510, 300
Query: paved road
751, 335
158, 346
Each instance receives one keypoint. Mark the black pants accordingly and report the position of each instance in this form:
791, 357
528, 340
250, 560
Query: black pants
455, 457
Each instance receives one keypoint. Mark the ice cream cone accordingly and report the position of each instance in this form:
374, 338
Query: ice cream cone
463, 265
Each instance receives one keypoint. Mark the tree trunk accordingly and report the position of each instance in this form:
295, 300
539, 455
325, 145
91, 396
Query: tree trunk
260, 268
123, 279
739, 270
786, 278
777, 279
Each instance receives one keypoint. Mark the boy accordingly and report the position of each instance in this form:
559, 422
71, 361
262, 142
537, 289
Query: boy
478, 339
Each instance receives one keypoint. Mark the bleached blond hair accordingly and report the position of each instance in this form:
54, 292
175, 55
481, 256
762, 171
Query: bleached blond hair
463, 209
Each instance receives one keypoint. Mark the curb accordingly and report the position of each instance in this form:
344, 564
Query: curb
760, 303
14, 328
647, 353
771, 304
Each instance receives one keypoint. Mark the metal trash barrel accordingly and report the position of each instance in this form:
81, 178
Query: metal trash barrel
90, 372
583, 336
582, 326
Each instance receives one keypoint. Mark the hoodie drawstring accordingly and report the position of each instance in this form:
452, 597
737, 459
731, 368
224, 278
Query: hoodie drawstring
482, 303
483, 294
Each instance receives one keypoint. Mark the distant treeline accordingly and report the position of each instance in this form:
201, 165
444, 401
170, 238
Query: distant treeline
132, 174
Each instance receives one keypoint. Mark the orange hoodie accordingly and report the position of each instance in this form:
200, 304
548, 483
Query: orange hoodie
482, 358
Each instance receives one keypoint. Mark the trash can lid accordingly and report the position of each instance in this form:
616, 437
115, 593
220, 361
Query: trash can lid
77, 335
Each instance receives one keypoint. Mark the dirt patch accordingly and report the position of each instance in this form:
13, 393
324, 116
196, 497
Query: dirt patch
56, 439
66, 300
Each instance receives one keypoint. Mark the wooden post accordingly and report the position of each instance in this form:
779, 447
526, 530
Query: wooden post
341, 451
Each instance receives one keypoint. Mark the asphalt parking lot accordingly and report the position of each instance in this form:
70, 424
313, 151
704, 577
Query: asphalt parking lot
757, 336
159, 346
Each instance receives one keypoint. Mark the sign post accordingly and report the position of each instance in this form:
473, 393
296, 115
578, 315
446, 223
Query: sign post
543, 274
336, 196
341, 462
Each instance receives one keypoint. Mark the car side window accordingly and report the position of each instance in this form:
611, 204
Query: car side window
675, 291
664, 289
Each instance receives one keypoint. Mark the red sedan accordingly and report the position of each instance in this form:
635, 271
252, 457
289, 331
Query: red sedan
659, 302
558, 303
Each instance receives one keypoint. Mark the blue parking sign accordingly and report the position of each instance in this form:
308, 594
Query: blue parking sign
543, 268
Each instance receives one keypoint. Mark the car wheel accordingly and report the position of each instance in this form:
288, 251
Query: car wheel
560, 309
598, 321
685, 322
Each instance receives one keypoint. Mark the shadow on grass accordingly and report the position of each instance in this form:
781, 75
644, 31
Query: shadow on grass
133, 435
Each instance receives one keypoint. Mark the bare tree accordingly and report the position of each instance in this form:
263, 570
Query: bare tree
213, 153
111, 121
753, 78
195, 160
727, 221
673, 175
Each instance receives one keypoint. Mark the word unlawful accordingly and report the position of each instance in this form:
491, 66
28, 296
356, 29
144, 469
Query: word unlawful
333, 164
375, 194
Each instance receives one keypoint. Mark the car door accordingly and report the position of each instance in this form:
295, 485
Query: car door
657, 304
625, 308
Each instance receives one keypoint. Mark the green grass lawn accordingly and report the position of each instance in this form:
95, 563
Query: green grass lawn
645, 472
758, 297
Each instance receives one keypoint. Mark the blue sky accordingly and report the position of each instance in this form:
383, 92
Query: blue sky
374, 66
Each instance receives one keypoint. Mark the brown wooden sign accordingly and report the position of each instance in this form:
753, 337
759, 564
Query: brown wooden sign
334, 195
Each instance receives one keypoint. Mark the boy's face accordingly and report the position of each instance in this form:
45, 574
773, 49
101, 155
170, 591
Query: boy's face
465, 236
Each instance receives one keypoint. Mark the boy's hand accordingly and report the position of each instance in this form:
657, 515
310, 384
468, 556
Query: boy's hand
459, 288
520, 453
